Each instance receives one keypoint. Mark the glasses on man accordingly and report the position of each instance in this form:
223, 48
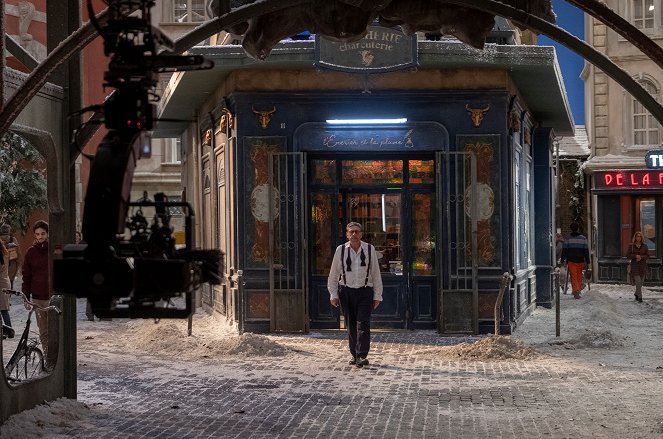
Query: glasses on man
352, 232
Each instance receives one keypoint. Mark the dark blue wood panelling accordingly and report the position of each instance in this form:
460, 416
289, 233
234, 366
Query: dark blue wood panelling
543, 214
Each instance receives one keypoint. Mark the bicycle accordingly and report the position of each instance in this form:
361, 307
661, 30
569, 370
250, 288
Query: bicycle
27, 362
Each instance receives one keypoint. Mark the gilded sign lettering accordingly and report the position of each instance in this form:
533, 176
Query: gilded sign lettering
334, 141
381, 50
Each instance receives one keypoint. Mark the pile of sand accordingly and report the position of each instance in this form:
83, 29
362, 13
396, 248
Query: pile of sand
495, 347
590, 338
46, 418
208, 340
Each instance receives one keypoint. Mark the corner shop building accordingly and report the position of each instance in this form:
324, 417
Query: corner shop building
447, 165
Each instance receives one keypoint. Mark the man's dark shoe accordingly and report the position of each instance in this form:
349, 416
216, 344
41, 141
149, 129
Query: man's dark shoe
362, 361
639, 299
7, 331
352, 361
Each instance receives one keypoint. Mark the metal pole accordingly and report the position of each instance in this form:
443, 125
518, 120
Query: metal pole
506, 278
557, 294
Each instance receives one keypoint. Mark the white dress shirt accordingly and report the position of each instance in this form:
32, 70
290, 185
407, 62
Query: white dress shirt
356, 278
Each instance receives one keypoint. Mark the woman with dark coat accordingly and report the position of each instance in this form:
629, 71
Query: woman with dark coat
5, 284
638, 253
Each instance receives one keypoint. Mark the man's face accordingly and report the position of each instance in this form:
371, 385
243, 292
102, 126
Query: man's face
354, 234
41, 235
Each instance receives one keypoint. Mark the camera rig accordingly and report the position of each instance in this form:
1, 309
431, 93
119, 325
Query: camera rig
133, 266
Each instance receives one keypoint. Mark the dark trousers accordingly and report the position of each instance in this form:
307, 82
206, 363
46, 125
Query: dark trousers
5, 318
357, 305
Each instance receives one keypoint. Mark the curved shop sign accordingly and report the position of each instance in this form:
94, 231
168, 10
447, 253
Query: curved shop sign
383, 49
422, 136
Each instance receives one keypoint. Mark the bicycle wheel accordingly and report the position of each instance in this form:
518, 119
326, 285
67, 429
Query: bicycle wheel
29, 365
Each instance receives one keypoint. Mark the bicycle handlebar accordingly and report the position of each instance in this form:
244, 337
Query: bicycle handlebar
26, 300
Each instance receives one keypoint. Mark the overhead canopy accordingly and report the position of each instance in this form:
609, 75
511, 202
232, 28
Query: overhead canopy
533, 69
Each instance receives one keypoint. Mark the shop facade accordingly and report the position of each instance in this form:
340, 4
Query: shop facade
448, 169
627, 200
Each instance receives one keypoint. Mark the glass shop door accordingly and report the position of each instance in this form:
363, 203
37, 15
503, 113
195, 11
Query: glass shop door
400, 224
394, 201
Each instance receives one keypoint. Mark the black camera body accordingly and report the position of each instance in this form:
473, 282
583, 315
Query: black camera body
147, 274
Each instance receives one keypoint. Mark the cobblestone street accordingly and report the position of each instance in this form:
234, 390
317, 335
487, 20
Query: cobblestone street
412, 388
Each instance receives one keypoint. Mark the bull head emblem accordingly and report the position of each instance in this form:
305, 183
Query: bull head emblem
477, 114
207, 140
264, 117
226, 121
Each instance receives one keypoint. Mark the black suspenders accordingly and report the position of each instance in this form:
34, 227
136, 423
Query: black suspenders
368, 268
343, 264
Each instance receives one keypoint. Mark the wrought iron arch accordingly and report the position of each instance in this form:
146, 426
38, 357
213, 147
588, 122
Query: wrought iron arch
85, 35
518, 15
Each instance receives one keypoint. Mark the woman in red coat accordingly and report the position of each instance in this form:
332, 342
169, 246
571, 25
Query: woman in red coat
638, 253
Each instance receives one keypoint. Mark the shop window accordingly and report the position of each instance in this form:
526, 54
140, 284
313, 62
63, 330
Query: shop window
422, 171
322, 223
524, 210
423, 244
380, 217
519, 236
323, 171
529, 212
609, 226
645, 212
372, 172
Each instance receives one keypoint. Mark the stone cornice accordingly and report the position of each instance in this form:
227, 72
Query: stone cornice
14, 79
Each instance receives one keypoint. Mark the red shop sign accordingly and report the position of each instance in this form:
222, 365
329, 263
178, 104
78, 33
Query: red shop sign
636, 179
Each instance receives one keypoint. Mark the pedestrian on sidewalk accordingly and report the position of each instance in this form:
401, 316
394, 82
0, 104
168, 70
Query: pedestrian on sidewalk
354, 280
14, 251
559, 246
35, 279
5, 283
575, 253
638, 253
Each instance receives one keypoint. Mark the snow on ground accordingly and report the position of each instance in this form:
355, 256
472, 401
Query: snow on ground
606, 327
606, 324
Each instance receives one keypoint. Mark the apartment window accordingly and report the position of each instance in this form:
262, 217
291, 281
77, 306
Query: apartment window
646, 130
643, 13
171, 153
187, 11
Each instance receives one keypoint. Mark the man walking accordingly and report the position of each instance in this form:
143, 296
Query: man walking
576, 252
355, 281
36, 279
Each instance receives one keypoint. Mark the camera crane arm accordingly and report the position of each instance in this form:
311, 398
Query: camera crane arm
139, 276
